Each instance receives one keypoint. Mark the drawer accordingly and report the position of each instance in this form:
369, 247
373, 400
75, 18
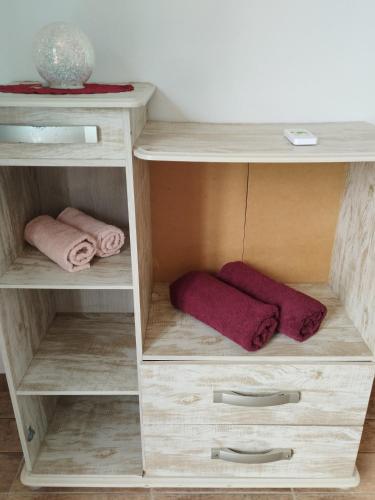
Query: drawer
250, 451
105, 141
313, 394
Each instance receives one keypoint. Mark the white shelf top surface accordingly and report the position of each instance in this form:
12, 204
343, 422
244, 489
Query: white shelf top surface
257, 143
140, 96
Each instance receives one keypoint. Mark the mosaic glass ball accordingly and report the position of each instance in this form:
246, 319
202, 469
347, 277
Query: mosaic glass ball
63, 56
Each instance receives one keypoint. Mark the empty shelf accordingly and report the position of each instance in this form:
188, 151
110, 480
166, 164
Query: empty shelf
34, 270
84, 354
91, 435
260, 143
173, 335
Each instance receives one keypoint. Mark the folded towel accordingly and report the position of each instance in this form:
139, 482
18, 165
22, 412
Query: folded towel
234, 314
109, 239
300, 315
69, 248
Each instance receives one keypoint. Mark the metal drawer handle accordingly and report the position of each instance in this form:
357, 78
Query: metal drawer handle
256, 400
248, 457
34, 134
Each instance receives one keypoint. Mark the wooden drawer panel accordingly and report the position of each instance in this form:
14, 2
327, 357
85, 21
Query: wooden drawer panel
317, 452
110, 124
184, 393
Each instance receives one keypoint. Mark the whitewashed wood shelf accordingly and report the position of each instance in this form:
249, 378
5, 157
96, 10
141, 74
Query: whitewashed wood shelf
91, 435
258, 143
173, 335
32, 269
84, 354
139, 97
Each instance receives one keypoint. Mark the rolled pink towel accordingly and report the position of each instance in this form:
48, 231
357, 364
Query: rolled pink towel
244, 320
109, 239
300, 315
68, 247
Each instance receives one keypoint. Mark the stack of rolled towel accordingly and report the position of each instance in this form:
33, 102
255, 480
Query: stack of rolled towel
246, 306
74, 238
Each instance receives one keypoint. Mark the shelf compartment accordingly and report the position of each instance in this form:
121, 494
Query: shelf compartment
34, 270
90, 435
173, 335
84, 354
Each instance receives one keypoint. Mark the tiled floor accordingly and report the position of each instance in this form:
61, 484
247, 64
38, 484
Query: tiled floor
12, 489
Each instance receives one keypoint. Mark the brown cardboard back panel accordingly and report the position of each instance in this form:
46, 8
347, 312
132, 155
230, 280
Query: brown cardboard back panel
291, 219
280, 218
198, 216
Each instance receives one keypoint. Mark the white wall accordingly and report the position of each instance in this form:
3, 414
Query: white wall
218, 60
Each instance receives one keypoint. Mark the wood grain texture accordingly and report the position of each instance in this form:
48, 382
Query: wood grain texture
15, 184
318, 451
93, 301
48, 480
84, 354
141, 179
25, 317
138, 118
36, 412
198, 216
34, 270
183, 393
291, 218
92, 435
100, 192
353, 261
254, 143
139, 97
173, 335
109, 121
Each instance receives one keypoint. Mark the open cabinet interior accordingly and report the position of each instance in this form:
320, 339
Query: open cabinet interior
30, 191
282, 219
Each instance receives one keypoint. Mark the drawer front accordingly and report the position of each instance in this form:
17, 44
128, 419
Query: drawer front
63, 144
256, 394
250, 451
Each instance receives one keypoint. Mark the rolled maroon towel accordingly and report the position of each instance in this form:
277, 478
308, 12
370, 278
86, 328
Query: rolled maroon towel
300, 315
239, 317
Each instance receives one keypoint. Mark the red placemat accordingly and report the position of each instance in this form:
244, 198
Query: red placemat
90, 88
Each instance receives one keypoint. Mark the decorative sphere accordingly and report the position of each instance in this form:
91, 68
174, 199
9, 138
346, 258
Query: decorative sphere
63, 56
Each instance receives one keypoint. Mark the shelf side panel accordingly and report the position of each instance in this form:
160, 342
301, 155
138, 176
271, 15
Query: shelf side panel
353, 261
19, 202
141, 179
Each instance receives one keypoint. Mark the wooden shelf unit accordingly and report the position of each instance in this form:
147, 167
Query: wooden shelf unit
87, 354
69, 339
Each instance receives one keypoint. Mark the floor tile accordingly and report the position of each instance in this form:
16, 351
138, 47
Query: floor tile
9, 465
3, 383
6, 410
366, 468
371, 407
9, 440
368, 437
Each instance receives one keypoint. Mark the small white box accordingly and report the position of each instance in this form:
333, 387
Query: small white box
300, 137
